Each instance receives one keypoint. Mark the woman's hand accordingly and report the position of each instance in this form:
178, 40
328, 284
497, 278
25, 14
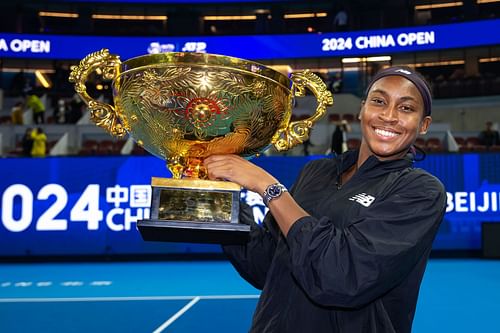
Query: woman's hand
238, 170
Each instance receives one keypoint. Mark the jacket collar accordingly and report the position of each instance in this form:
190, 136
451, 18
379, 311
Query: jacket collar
372, 167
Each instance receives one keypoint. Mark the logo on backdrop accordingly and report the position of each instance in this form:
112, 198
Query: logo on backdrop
18, 45
18, 203
128, 204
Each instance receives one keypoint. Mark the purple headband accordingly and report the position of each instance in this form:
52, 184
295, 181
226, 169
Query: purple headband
408, 74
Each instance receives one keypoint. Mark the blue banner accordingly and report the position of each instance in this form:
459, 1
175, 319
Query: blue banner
177, 1
261, 47
90, 205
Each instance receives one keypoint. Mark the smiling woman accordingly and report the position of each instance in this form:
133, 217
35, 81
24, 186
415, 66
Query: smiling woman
346, 248
395, 111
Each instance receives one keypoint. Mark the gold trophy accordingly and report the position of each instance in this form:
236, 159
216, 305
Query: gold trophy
183, 107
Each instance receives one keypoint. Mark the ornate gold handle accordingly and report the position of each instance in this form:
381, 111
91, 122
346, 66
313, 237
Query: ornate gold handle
298, 131
102, 114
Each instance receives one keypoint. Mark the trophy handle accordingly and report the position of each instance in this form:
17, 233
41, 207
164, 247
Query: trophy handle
102, 114
297, 132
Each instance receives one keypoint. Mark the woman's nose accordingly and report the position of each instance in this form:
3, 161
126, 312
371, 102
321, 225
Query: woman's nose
389, 114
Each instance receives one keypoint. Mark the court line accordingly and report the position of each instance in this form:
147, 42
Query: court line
177, 315
124, 299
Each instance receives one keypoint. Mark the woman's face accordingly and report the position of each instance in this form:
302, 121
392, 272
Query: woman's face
392, 116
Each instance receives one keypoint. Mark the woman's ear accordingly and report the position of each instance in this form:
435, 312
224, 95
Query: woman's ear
361, 109
425, 125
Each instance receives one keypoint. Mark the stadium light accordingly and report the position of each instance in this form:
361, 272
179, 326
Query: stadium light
439, 5
304, 15
130, 17
58, 14
367, 59
44, 81
230, 18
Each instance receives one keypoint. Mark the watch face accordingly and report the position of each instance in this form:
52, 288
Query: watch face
275, 190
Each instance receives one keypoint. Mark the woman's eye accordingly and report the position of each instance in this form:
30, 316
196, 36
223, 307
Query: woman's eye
377, 100
407, 108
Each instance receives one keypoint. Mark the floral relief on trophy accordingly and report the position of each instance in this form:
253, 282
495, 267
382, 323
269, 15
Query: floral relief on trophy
196, 112
183, 107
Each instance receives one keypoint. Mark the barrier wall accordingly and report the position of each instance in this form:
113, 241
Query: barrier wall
89, 205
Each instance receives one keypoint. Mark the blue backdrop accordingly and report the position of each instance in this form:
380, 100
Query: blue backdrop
261, 47
89, 206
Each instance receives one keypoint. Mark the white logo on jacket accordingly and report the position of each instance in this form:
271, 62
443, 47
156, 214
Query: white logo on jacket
363, 199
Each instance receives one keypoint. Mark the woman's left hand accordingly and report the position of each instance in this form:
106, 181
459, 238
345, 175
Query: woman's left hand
238, 170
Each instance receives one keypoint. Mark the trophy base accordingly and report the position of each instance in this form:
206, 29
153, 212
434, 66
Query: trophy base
193, 232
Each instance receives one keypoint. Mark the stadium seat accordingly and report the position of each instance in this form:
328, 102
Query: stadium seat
353, 143
473, 144
434, 145
462, 147
89, 147
420, 143
117, 147
333, 117
5, 120
349, 117
104, 147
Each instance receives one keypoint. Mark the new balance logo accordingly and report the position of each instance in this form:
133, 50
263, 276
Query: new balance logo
404, 71
363, 199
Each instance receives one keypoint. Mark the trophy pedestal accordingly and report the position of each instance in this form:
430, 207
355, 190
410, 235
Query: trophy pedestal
193, 232
194, 211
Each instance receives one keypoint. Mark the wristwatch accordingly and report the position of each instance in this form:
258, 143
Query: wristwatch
273, 191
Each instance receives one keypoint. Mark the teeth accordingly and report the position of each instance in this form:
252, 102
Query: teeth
385, 133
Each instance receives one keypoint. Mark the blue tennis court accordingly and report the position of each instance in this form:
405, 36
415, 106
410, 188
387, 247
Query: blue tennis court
207, 296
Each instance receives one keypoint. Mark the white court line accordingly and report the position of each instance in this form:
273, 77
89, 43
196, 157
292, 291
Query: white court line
120, 299
177, 315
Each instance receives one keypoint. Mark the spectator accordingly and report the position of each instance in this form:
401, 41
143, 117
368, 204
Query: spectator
18, 83
39, 143
27, 142
337, 83
340, 20
339, 137
17, 114
306, 144
34, 103
75, 110
489, 137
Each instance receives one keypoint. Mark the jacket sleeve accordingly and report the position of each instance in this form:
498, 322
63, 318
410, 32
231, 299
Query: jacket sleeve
252, 260
352, 266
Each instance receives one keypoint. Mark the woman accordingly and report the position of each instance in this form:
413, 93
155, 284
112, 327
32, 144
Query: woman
345, 250
39, 143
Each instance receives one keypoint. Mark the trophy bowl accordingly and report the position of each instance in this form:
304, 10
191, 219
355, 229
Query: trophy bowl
183, 107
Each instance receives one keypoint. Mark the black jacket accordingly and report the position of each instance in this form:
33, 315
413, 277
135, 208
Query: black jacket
356, 264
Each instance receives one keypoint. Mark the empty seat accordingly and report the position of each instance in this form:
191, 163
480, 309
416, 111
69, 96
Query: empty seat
460, 141
138, 150
349, 117
353, 143
5, 120
434, 145
117, 147
333, 117
104, 147
89, 147
472, 143
420, 143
